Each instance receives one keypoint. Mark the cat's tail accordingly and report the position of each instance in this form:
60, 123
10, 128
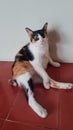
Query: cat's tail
60, 85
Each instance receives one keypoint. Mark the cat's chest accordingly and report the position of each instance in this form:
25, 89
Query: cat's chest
40, 54
39, 50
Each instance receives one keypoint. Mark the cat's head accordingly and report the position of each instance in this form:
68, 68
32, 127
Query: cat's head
38, 36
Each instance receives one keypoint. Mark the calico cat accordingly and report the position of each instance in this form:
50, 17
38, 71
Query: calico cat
29, 68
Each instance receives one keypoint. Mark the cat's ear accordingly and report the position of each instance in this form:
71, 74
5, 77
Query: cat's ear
29, 32
45, 27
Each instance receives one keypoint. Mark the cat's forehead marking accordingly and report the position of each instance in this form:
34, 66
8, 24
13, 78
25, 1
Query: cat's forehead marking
39, 32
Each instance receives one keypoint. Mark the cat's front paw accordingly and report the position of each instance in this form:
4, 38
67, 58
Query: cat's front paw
46, 85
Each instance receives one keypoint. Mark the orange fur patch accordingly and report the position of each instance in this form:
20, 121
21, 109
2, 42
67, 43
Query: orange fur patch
54, 84
21, 68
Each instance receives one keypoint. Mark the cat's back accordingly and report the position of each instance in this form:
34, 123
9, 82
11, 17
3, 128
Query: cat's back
21, 64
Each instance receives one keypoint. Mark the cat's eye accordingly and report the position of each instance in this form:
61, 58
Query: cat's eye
42, 34
35, 37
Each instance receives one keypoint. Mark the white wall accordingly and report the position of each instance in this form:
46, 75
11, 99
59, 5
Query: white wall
15, 15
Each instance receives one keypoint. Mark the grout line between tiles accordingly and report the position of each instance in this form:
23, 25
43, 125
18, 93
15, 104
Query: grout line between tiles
59, 112
57, 116
27, 124
10, 110
13, 105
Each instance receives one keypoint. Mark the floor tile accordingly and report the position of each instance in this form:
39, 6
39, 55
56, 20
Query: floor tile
7, 94
66, 74
21, 126
20, 111
54, 72
66, 110
49, 99
15, 114
1, 123
66, 99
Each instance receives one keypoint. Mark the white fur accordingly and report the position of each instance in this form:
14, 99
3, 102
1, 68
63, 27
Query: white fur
40, 52
37, 107
23, 79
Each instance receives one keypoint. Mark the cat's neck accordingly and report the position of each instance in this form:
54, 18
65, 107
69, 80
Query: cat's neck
37, 49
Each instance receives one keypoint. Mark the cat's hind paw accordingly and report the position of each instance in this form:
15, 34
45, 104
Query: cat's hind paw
56, 64
42, 112
12, 82
37, 108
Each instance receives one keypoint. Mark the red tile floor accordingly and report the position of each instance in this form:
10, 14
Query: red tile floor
15, 114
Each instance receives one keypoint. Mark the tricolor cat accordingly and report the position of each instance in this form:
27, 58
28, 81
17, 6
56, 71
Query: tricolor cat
29, 67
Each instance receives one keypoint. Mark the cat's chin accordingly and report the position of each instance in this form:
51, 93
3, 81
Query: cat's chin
42, 43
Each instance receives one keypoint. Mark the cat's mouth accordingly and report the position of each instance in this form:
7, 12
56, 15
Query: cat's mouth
42, 41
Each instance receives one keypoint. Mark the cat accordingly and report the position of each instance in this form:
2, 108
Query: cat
29, 68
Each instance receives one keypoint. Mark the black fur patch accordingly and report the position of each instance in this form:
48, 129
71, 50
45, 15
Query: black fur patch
41, 32
30, 82
25, 90
35, 34
26, 55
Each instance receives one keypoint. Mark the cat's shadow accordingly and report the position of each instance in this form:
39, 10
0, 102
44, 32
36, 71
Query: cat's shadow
53, 39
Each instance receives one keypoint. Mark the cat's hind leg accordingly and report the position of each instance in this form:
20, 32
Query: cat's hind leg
37, 79
53, 63
26, 83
